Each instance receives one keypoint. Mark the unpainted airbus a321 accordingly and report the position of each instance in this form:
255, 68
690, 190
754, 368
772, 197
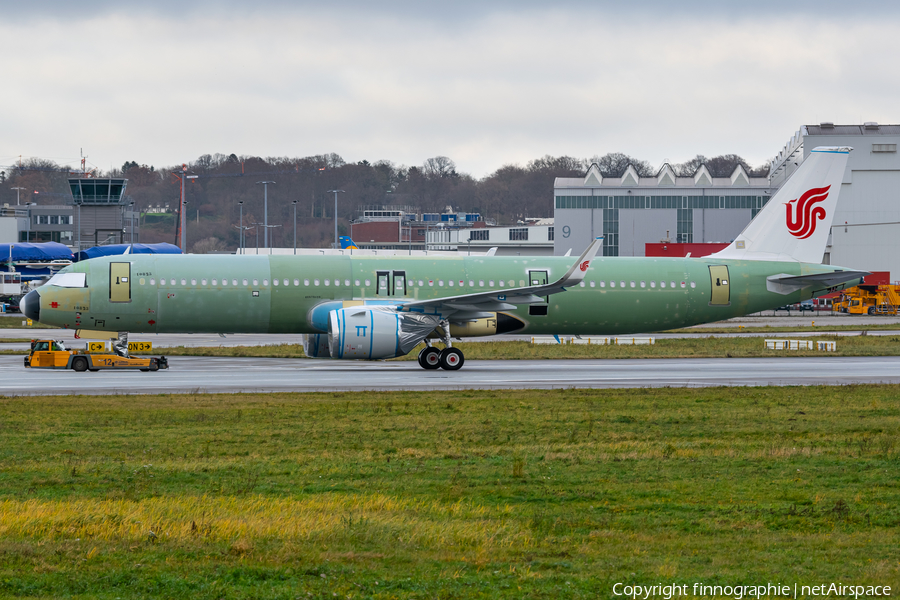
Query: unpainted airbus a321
374, 307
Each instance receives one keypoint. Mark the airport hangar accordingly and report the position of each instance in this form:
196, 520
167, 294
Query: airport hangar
631, 211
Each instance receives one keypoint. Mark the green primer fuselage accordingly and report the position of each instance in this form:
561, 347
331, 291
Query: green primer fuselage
185, 293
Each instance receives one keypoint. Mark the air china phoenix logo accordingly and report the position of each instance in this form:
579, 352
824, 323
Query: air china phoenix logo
584, 266
801, 215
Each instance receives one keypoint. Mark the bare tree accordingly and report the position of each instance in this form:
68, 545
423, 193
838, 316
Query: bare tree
439, 167
208, 246
615, 163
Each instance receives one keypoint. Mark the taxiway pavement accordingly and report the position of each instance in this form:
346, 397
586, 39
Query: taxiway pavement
232, 375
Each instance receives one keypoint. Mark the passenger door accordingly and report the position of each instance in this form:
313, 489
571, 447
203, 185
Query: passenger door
721, 295
120, 282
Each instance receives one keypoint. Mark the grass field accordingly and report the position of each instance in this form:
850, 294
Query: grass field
512, 494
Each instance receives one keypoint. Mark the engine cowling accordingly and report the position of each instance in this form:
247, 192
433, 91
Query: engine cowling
376, 332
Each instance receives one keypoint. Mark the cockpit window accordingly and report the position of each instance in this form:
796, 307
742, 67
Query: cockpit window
69, 280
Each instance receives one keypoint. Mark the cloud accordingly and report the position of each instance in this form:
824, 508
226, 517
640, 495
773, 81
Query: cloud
485, 83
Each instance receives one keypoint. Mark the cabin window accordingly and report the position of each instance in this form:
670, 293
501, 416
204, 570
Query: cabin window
693, 284
245, 282
481, 283
653, 284
256, 282
275, 282
173, 282
450, 283
183, 282
315, 282
521, 283
671, 284
286, 283
327, 282
491, 283
367, 283
193, 282
346, 283
682, 284
581, 284
592, 284
306, 282
421, 283
152, 282
632, 284
512, 283
234, 282
356, 283
431, 283
471, 283
662, 284
612, 284
441, 283
224, 282
265, 282
296, 282
602, 284
502, 283
621, 284
643, 284
202, 282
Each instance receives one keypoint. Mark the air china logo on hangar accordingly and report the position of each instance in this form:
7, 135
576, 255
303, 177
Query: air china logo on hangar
802, 216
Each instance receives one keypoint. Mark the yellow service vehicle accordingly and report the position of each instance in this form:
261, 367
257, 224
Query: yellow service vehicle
869, 300
52, 354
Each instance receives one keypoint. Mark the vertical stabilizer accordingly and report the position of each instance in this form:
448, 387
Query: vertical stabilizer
794, 224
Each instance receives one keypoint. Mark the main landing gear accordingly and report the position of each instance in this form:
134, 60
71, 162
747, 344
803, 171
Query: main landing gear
449, 359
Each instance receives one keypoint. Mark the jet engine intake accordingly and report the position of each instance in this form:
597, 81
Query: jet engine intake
374, 332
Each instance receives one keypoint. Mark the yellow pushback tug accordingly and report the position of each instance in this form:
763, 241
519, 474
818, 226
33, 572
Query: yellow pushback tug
52, 354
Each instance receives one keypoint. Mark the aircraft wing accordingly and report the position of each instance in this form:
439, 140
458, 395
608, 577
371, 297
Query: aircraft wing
471, 306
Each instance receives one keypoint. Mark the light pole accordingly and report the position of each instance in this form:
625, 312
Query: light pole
18, 189
257, 236
184, 204
336, 192
131, 220
265, 222
295, 226
241, 243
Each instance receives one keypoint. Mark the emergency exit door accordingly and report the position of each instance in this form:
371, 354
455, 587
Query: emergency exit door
538, 278
120, 282
390, 283
721, 295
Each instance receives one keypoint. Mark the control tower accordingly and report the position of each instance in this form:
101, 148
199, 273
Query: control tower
103, 213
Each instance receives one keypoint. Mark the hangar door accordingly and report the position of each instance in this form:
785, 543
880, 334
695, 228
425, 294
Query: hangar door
721, 295
120, 282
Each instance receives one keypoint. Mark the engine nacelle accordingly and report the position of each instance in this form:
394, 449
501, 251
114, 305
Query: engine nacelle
373, 332
316, 345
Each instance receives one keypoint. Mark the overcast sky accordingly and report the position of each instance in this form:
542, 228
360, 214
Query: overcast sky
485, 83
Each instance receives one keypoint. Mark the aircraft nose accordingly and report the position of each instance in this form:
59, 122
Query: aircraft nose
30, 305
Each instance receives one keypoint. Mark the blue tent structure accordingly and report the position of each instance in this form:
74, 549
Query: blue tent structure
34, 260
114, 249
34, 252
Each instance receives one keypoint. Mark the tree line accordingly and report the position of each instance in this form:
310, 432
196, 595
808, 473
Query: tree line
226, 185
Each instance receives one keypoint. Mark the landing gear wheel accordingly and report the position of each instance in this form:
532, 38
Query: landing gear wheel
871, 310
452, 359
430, 358
154, 366
79, 364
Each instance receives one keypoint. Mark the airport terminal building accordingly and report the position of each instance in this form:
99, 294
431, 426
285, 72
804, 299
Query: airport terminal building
631, 211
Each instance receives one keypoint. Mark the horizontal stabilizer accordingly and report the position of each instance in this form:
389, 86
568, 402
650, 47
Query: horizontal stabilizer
786, 284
